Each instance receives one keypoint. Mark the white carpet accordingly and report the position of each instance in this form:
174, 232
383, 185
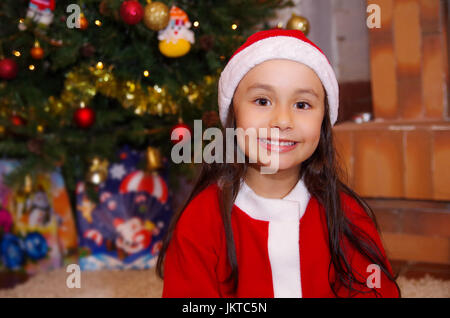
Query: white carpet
145, 283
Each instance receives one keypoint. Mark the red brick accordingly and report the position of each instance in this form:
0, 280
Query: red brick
433, 77
417, 248
410, 96
407, 36
441, 166
430, 16
426, 223
418, 173
388, 220
378, 166
384, 81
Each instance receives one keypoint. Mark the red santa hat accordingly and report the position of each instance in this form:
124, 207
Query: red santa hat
277, 44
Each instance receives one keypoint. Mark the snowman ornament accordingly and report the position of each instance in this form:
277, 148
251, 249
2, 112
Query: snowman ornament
176, 38
41, 11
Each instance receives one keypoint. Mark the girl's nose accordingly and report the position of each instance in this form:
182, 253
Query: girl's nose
281, 118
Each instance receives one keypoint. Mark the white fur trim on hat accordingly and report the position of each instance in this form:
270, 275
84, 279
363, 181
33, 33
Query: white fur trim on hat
277, 47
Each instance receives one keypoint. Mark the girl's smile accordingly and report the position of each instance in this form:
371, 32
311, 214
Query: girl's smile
280, 145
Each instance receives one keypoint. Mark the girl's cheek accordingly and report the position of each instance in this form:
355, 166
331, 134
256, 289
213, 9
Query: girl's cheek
249, 118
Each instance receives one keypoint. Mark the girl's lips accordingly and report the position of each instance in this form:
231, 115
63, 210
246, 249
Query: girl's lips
278, 146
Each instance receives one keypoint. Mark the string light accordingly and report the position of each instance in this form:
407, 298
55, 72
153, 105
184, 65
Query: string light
146, 73
234, 26
16, 53
98, 23
196, 24
31, 67
99, 66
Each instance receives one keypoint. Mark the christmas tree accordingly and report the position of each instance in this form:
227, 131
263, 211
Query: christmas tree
80, 79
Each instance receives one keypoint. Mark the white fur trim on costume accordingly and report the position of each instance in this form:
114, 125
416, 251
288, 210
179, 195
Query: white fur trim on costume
283, 247
278, 47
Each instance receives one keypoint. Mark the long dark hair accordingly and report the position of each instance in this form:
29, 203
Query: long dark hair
322, 177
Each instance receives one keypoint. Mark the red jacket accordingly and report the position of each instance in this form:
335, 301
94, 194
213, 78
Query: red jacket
281, 248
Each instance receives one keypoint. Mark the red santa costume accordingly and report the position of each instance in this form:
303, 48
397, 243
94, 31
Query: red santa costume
281, 244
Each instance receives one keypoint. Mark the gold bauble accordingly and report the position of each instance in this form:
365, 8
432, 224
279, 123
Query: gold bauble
98, 171
156, 16
298, 22
154, 160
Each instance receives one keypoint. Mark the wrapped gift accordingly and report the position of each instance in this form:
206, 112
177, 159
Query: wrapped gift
124, 229
37, 229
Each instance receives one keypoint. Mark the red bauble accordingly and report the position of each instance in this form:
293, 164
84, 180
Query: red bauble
17, 120
180, 133
37, 53
84, 117
8, 69
131, 12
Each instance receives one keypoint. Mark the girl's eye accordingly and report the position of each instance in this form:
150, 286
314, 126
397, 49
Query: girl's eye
263, 101
302, 105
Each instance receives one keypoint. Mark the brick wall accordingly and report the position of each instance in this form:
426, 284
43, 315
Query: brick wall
400, 161
405, 151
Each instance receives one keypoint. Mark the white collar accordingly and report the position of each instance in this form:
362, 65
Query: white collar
290, 208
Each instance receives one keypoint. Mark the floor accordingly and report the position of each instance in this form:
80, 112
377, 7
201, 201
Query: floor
415, 280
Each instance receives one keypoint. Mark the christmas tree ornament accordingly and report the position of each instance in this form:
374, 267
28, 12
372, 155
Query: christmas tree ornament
156, 15
298, 22
41, 11
87, 50
36, 246
84, 23
131, 12
98, 171
154, 160
11, 251
8, 69
176, 38
37, 52
180, 132
17, 120
84, 117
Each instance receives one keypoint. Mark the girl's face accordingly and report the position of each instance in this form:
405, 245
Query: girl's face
284, 95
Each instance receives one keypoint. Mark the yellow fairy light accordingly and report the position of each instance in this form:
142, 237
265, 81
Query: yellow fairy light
196, 24
234, 26
280, 25
82, 104
21, 20
146, 73
16, 53
98, 23
40, 128
31, 67
99, 66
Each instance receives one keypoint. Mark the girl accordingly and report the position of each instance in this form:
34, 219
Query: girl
299, 232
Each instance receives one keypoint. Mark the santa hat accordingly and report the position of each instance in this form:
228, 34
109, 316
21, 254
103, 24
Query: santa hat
277, 44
